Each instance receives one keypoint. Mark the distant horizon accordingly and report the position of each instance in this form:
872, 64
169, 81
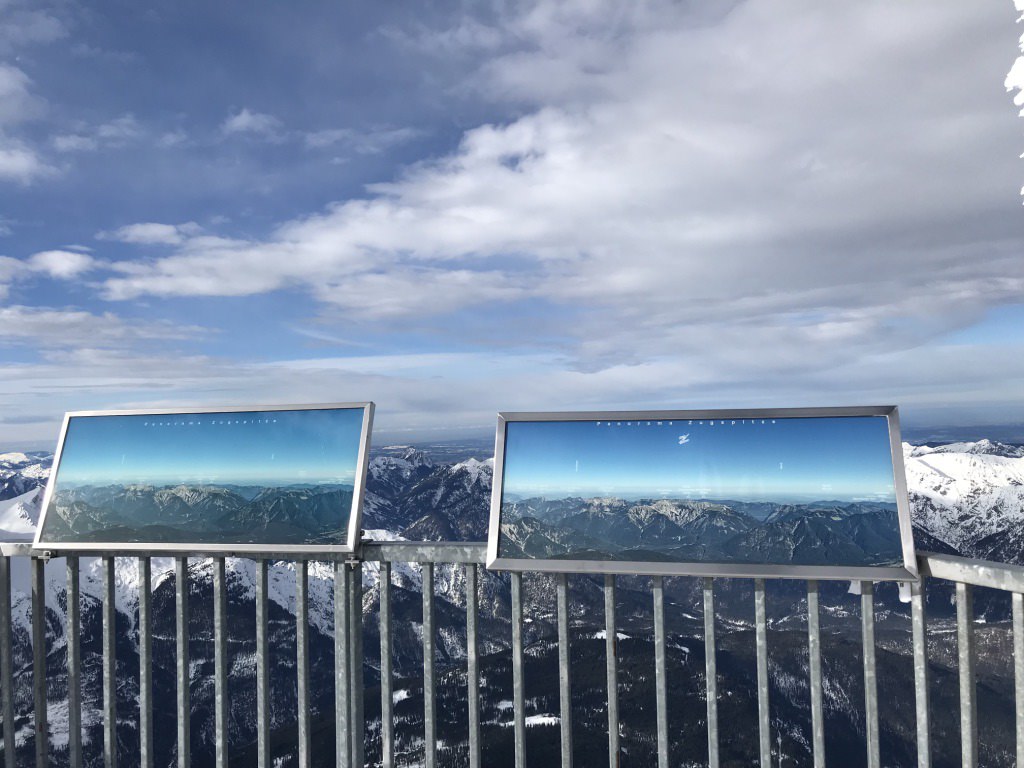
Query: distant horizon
669, 496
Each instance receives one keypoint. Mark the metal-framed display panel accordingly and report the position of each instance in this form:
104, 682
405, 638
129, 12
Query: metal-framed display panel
908, 572
354, 533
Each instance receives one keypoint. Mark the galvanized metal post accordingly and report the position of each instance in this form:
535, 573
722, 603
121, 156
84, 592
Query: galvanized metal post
42, 735
867, 610
109, 666
302, 659
968, 699
660, 676
1017, 600
356, 663
6, 658
518, 687
472, 667
814, 665
920, 627
342, 676
220, 663
761, 642
387, 699
74, 636
429, 716
564, 669
612, 670
183, 672
146, 756
262, 667
711, 671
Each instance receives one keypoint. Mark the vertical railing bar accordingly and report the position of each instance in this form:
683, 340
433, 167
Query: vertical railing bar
387, 701
867, 611
814, 667
472, 666
220, 663
564, 668
109, 666
74, 653
146, 756
262, 666
342, 678
429, 721
920, 627
761, 642
518, 686
6, 660
711, 671
968, 699
302, 659
184, 678
612, 670
39, 660
660, 676
1017, 600
356, 663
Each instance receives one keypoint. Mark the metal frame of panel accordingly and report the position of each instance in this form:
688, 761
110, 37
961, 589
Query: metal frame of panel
907, 572
353, 537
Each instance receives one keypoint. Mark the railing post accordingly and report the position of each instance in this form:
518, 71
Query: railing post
262, 666
6, 667
660, 676
356, 663
920, 630
711, 671
761, 643
814, 666
342, 677
387, 700
968, 699
867, 609
74, 635
183, 673
302, 660
612, 670
220, 663
518, 685
146, 756
1018, 670
39, 660
429, 716
564, 668
109, 666
472, 667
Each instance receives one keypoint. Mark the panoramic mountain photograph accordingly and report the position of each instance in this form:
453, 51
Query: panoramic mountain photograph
774, 491
249, 477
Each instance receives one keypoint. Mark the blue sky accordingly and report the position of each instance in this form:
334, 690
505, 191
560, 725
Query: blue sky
272, 447
781, 460
509, 206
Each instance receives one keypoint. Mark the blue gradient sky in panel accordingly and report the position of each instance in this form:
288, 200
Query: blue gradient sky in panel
781, 460
269, 447
458, 208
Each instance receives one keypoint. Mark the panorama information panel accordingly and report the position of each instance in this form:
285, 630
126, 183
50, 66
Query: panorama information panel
284, 479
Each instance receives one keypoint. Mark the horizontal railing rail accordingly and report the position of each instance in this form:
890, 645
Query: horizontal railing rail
351, 732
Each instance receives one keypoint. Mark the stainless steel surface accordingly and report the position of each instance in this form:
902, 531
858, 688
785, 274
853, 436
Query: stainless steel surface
262, 667
6, 660
660, 681
979, 573
387, 704
908, 570
424, 552
146, 755
355, 634
429, 702
711, 672
1017, 600
564, 669
920, 632
220, 663
867, 617
814, 669
518, 685
611, 670
74, 636
342, 676
472, 667
761, 642
968, 695
302, 661
42, 732
184, 716
109, 666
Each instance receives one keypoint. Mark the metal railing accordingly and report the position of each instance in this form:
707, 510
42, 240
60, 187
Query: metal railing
350, 726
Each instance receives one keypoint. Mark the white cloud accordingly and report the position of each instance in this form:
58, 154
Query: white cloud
20, 163
362, 143
152, 233
113, 134
22, 25
61, 264
247, 121
47, 328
